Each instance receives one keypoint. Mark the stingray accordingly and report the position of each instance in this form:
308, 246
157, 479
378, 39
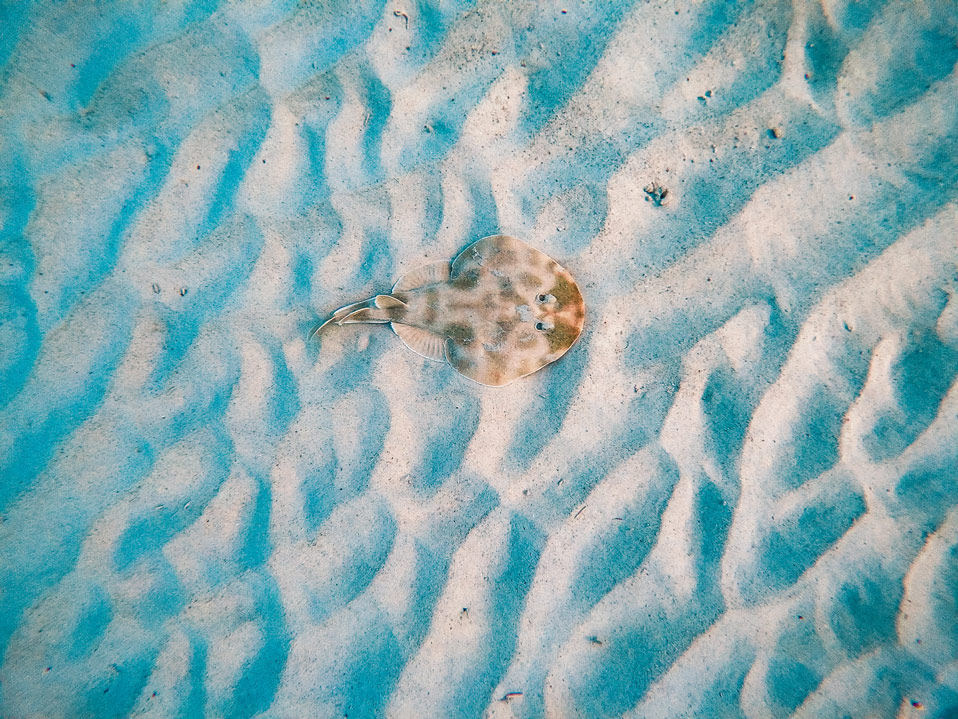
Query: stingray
499, 311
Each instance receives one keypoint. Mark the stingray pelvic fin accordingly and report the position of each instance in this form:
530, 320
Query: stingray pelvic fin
376, 310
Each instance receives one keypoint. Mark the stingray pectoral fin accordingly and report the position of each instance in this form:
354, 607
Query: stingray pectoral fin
471, 361
420, 341
495, 251
423, 275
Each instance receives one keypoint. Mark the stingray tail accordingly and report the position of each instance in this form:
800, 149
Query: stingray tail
380, 309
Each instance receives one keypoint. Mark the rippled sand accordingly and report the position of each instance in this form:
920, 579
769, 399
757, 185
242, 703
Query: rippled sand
737, 496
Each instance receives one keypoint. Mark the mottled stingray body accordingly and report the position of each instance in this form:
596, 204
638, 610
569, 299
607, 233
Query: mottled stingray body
499, 311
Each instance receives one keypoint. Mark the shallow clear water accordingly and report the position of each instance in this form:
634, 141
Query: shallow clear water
737, 496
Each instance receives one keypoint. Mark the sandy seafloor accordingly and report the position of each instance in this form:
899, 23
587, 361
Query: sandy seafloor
737, 496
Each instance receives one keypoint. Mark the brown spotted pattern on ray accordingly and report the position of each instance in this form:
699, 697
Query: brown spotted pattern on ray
466, 281
503, 310
459, 333
530, 280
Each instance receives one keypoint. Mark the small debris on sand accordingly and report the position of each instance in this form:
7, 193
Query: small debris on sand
656, 193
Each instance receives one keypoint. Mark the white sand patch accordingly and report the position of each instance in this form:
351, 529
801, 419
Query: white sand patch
460, 626
272, 186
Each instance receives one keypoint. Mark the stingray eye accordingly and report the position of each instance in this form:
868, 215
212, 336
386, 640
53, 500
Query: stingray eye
540, 326
544, 326
545, 298
540, 298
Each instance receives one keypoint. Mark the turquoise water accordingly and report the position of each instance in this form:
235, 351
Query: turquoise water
736, 496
